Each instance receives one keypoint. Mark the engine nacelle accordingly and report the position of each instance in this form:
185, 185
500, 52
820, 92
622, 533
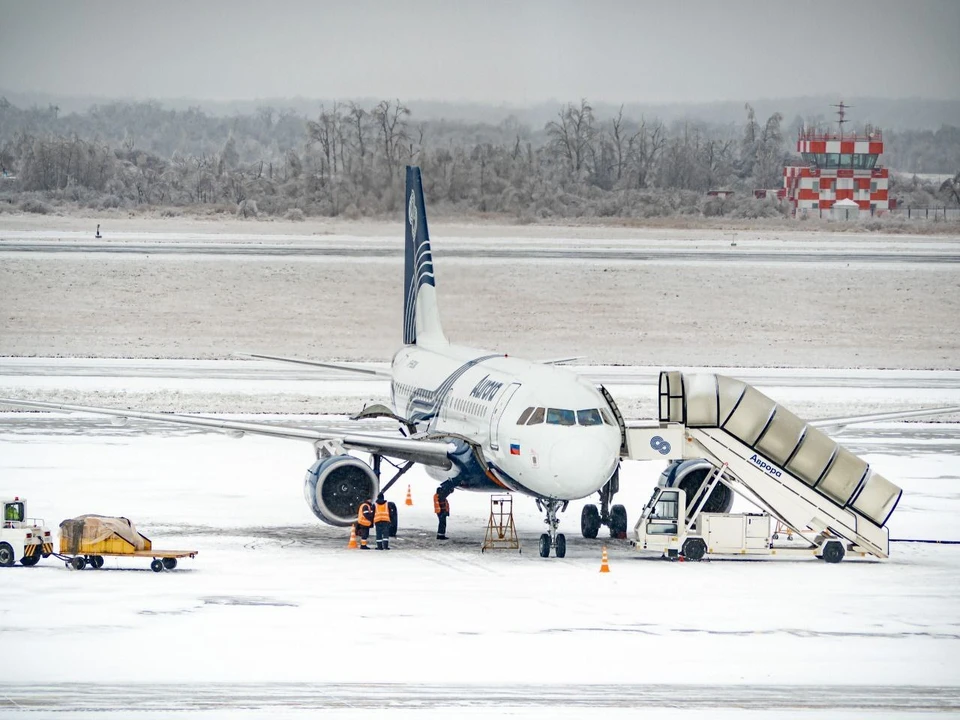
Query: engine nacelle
335, 486
689, 475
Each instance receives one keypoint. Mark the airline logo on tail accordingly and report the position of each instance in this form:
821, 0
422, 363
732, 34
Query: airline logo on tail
418, 269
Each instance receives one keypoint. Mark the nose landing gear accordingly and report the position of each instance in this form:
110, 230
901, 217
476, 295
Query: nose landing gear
551, 538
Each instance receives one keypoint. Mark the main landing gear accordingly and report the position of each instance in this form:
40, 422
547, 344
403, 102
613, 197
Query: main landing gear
615, 518
552, 539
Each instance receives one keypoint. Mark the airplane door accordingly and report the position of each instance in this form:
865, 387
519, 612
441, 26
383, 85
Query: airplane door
497, 413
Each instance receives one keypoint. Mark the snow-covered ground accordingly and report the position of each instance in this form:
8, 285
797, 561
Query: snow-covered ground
275, 597
612, 296
276, 618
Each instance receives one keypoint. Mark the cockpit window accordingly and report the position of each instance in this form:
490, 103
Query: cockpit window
606, 418
589, 417
524, 415
561, 417
537, 417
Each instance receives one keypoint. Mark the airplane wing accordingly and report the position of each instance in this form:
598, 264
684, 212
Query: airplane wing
561, 361
426, 452
839, 422
313, 363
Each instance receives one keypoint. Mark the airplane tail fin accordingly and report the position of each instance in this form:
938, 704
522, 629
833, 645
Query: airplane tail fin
421, 317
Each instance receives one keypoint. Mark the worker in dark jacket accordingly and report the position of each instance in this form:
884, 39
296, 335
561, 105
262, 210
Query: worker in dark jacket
441, 506
364, 523
381, 521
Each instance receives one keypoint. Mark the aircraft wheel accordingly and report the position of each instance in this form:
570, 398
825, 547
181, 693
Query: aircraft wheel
394, 521
156, 566
545, 545
832, 552
561, 548
169, 563
589, 521
618, 522
78, 563
694, 549
6, 555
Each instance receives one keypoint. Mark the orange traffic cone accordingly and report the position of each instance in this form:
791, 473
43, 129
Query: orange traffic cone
352, 545
603, 561
409, 500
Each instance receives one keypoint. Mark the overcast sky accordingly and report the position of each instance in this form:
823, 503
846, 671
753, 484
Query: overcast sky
516, 52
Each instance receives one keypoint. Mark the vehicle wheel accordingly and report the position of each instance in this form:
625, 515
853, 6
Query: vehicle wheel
78, 563
694, 549
30, 561
589, 521
6, 555
169, 563
394, 521
97, 561
833, 551
156, 566
618, 522
545, 545
561, 549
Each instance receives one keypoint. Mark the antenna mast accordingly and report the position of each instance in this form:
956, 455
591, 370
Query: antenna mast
841, 112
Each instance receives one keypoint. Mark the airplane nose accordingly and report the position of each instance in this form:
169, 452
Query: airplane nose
580, 467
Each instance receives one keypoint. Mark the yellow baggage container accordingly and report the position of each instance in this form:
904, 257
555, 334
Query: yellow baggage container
99, 535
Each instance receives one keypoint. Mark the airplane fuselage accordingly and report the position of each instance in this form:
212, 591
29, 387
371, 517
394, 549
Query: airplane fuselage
523, 426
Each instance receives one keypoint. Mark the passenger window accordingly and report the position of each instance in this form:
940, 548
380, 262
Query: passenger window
536, 418
589, 417
561, 417
606, 418
524, 416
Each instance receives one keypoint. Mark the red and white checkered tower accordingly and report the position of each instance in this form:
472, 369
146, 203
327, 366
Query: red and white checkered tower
838, 165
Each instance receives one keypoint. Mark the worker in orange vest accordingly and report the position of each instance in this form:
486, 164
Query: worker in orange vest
364, 522
441, 506
381, 521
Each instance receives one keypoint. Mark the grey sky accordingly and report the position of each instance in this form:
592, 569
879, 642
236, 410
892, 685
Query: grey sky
492, 51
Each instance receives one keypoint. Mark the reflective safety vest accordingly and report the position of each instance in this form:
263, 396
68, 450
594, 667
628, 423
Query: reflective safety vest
440, 505
382, 513
365, 514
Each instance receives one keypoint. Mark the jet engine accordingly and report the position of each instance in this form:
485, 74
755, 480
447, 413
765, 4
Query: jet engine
335, 486
689, 475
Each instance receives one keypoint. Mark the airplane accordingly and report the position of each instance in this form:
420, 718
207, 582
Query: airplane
476, 419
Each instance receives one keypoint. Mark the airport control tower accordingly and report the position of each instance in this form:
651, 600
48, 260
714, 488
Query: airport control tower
838, 166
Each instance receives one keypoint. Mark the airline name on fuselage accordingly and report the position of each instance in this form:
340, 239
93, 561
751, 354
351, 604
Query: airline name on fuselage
486, 389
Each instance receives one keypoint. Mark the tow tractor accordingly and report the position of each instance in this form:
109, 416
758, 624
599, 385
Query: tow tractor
22, 539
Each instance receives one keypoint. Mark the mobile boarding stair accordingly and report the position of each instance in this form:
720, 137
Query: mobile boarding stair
787, 467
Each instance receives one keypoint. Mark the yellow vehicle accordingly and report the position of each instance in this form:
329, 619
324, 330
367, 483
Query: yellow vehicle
87, 539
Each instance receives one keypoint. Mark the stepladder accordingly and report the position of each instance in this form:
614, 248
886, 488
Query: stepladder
501, 532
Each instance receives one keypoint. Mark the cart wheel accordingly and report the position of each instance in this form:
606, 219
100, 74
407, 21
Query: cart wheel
169, 563
79, 563
776, 536
156, 566
97, 561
